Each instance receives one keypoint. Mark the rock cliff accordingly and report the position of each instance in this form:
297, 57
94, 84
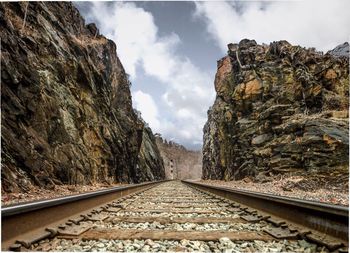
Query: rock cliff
179, 162
67, 115
150, 158
278, 108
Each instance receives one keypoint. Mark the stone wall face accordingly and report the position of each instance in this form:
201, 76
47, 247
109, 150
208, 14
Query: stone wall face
67, 114
151, 165
278, 108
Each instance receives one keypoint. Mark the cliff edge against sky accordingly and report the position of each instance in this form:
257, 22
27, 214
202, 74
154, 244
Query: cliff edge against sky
67, 115
278, 108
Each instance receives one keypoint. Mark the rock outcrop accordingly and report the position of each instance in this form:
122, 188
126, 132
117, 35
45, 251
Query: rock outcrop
278, 108
179, 162
67, 115
341, 50
150, 158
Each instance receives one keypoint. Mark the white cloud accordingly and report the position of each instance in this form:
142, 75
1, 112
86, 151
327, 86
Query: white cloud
135, 33
321, 24
146, 105
188, 90
184, 113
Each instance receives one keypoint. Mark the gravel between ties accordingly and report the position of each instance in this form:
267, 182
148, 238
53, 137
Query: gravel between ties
166, 190
223, 245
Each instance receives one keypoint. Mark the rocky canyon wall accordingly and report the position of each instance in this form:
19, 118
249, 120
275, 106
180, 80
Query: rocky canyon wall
278, 108
179, 162
67, 115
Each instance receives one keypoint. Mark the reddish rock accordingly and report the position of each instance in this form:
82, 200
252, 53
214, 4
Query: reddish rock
278, 108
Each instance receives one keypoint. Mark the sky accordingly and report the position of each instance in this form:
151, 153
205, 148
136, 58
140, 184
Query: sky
170, 49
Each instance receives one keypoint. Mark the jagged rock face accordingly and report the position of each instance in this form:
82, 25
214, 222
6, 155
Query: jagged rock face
179, 162
67, 115
278, 108
150, 158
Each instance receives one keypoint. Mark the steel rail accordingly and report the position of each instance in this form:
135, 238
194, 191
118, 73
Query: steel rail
332, 220
30, 222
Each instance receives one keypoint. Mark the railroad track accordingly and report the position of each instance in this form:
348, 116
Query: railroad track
170, 216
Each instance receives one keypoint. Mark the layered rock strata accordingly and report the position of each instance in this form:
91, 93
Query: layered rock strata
278, 108
150, 158
67, 115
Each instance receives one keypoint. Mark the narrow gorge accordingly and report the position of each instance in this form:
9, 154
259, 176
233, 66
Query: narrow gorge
179, 162
121, 131
68, 118
67, 115
278, 108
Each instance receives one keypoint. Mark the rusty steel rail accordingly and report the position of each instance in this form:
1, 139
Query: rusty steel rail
30, 222
332, 220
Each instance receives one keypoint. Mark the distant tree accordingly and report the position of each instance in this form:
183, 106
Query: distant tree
139, 117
